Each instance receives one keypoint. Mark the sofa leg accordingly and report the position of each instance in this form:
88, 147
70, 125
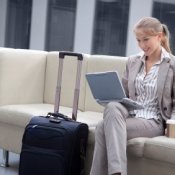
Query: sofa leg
5, 158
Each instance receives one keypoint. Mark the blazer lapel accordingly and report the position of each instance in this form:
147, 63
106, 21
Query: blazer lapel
162, 75
134, 71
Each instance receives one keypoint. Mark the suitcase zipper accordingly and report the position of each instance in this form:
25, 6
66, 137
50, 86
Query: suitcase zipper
46, 127
57, 131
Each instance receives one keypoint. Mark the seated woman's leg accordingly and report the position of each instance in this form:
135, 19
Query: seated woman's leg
140, 127
110, 146
99, 163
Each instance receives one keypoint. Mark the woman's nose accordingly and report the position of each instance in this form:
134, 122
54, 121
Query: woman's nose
141, 44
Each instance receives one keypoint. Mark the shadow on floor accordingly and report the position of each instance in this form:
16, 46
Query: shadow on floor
13, 162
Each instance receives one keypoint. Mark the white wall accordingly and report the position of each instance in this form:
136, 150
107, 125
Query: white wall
84, 23
138, 9
84, 26
3, 10
38, 24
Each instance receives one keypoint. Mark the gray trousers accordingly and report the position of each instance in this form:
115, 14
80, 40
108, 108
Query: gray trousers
111, 138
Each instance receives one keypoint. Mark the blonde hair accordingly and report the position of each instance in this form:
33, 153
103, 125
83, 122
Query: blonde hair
152, 26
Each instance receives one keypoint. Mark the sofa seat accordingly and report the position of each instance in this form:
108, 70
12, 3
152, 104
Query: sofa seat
20, 115
151, 155
135, 147
154, 149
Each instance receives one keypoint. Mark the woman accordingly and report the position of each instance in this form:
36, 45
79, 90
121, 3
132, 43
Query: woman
149, 79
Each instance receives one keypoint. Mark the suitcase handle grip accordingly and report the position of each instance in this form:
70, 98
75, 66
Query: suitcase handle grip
62, 54
58, 115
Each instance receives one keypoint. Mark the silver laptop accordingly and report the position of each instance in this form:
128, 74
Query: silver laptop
106, 87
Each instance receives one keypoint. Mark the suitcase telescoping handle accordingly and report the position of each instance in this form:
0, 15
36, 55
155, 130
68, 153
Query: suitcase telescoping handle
79, 57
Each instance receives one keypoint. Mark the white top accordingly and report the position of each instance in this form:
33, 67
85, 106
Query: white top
146, 89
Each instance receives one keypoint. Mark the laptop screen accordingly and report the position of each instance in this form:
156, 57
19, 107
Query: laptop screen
105, 86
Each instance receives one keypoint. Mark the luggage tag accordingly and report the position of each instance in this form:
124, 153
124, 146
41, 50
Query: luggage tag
56, 117
55, 120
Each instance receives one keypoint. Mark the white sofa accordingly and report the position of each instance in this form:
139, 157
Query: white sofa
27, 88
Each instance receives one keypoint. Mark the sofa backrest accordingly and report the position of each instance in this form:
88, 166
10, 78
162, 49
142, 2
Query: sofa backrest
99, 63
91, 63
68, 80
22, 76
28, 76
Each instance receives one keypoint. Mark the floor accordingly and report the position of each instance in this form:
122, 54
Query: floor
14, 163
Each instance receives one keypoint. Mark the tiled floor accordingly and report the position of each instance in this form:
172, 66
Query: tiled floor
14, 163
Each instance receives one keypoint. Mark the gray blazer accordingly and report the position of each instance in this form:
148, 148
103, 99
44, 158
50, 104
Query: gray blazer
165, 83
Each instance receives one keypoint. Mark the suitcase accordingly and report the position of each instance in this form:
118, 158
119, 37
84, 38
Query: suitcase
55, 144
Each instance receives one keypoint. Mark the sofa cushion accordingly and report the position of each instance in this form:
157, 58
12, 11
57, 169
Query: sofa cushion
22, 75
20, 115
90, 117
135, 146
161, 149
68, 80
105, 63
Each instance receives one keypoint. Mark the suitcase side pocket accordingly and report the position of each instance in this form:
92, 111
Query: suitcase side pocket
36, 161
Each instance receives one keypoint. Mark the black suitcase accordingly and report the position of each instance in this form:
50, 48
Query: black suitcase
55, 144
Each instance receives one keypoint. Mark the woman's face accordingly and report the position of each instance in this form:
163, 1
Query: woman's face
150, 44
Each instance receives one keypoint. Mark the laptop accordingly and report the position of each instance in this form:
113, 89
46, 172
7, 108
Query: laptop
107, 87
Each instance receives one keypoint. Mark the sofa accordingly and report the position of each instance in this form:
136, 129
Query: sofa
27, 89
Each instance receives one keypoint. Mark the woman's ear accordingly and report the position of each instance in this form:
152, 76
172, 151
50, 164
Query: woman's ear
160, 35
